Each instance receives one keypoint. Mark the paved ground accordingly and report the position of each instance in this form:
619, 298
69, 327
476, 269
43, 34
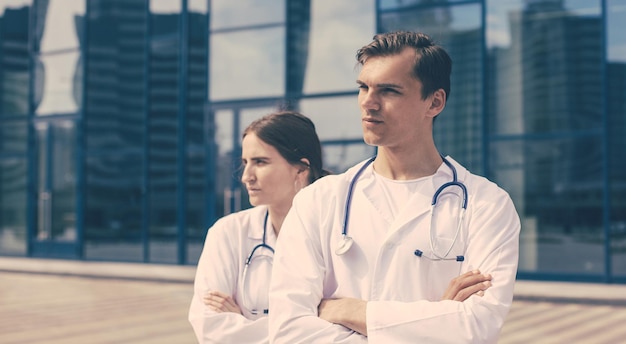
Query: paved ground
82, 302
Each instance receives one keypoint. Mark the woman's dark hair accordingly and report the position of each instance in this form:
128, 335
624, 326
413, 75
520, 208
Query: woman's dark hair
432, 65
294, 137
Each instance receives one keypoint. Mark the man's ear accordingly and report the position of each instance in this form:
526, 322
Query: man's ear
438, 102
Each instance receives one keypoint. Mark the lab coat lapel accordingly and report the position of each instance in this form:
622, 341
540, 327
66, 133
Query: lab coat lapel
373, 194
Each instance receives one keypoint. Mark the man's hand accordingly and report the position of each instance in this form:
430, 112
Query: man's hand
220, 302
346, 311
466, 285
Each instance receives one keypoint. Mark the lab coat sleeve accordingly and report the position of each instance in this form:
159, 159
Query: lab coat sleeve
217, 270
297, 283
493, 247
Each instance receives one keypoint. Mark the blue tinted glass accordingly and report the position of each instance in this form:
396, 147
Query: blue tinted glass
247, 64
338, 29
13, 174
335, 118
61, 23
13, 137
232, 14
546, 66
557, 190
58, 83
616, 75
115, 89
397, 4
14, 69
341, 156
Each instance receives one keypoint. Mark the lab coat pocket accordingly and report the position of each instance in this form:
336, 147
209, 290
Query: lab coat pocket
442, 264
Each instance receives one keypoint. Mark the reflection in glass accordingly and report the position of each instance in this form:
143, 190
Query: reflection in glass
338, 158
247, 64
225, 173
399, 4
196, 170
163, 131
248, 115
13, 173
556, 186
59, 76
14, 69
616, 74
113, 204
61, 24
56, 181
549, 59
115, 89
13, 137
334, 117
231, 14
331, 63
165, 6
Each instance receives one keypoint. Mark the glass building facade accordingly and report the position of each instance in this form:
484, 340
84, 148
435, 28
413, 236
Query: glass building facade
120, 120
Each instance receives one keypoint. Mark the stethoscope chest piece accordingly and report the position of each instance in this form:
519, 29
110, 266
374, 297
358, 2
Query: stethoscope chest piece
344, 245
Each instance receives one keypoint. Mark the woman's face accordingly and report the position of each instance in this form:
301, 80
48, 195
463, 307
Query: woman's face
268, 177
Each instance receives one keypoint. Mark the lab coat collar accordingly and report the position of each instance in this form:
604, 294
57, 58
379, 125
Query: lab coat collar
255, 225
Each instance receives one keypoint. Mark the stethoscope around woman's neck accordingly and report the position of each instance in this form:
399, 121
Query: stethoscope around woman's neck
263, 244
346, 241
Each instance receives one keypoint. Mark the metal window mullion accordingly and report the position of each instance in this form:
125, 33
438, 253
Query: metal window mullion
181, 162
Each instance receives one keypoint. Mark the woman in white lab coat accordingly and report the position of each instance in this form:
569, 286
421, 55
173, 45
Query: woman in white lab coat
281, 154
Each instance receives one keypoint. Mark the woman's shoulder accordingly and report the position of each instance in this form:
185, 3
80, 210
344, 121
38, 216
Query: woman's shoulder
238, 222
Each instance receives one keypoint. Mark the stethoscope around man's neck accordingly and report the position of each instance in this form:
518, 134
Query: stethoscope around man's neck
346, 241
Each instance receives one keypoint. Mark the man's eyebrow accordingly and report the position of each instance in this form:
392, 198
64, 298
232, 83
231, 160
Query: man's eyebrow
383, 85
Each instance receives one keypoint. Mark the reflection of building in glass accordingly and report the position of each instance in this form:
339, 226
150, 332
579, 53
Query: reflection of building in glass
616, 132
123, 115
562, 93
14, 68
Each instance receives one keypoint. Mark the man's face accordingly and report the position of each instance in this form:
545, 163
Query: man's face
393, 113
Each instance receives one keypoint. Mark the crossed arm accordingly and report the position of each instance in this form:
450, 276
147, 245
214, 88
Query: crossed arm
350, 312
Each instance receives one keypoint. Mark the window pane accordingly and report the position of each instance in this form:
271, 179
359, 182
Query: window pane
198, 193
229, 14
113, 206
13, 137
116, 78
226, 165
58, 83
397, 4
163, 129
547, 67
557, 188
339, 157
13, 173
331, 56
247, 64
61, 24
334, 117
14, 70
616, 74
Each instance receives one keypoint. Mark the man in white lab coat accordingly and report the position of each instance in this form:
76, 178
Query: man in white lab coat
385, 280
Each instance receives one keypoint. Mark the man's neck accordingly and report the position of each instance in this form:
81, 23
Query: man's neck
406, 165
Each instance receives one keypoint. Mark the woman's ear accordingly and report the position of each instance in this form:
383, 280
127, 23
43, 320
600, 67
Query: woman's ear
306, 165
